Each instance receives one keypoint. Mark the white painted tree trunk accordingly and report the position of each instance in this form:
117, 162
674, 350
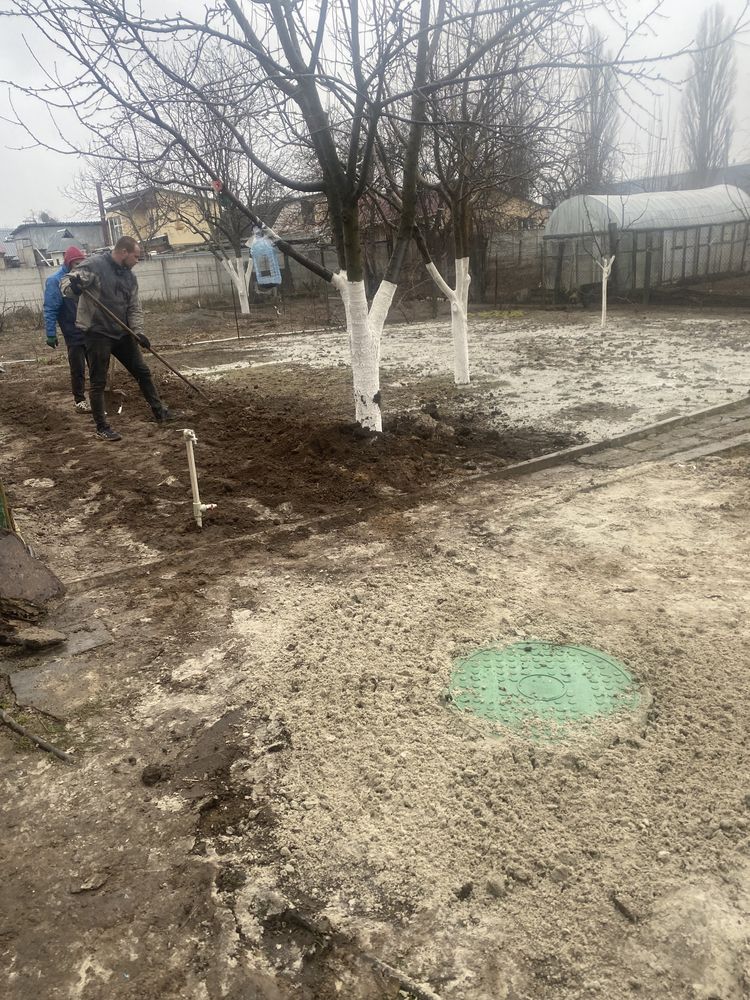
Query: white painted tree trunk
239, 271
365, 330
459, 300
606, 269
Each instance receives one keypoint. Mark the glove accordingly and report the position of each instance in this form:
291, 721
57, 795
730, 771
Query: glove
75, 284
143, 340
52, 341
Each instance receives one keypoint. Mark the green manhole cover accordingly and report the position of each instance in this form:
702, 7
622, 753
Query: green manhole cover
541, 687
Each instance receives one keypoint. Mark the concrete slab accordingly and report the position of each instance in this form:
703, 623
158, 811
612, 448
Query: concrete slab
662, 447
730, 424
32, 637
89, 636
56, 686
726, 446
613, 458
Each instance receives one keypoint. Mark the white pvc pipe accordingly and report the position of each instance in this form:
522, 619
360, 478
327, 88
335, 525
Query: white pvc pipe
198, 507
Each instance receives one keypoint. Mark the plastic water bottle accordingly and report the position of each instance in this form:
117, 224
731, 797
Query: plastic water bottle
265, 261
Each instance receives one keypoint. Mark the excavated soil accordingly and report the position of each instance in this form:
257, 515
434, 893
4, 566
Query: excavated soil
271, 797
271, 451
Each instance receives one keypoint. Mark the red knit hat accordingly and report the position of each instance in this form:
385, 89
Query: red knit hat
72, 254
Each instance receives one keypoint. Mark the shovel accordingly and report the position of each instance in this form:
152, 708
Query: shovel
113, 398
126, 328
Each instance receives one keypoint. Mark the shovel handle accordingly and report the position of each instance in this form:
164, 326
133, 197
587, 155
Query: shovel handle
126, 328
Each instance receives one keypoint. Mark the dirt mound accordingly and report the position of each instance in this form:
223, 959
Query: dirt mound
263, 456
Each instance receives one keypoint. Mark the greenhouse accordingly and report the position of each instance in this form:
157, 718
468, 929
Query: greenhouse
660, 238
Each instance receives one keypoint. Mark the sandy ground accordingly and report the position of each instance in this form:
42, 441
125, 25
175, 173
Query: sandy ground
270, 789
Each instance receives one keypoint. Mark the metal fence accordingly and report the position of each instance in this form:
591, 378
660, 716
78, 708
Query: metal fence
646, 259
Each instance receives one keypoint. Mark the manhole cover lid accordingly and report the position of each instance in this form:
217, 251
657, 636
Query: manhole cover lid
542, 687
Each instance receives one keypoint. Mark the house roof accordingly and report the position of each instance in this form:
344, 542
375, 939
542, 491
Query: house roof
129, 197
39, 226
145, 195
303, 217
54, 237
7, 246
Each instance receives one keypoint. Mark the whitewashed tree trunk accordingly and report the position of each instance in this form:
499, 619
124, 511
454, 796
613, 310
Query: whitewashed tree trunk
239, 271
459, 300
606, 269
365, 330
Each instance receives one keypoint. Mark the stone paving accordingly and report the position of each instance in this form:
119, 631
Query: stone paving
717, 430
699, 435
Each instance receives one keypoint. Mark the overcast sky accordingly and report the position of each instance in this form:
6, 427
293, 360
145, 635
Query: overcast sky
35, 179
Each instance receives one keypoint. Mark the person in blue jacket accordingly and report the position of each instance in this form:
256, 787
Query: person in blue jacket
59, 311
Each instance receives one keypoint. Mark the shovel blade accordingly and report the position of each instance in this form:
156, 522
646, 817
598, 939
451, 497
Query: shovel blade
113, 400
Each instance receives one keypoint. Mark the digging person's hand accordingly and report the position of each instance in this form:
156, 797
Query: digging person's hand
143, 340
52, 342
75, 283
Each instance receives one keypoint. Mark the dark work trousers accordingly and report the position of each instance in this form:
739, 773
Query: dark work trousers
77, 362
126, 350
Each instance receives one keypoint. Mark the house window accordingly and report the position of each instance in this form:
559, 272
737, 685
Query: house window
115, 228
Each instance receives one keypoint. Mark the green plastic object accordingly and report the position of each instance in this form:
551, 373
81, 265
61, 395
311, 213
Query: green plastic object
541, 688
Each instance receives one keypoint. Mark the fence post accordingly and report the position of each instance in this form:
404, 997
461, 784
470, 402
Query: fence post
217, 269
612, 252
164, 278
647, 269
559, 270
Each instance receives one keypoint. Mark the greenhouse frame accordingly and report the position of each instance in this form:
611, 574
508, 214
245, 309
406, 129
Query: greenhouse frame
661, 238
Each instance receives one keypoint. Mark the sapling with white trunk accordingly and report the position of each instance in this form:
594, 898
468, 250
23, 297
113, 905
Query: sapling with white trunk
459, 300
605, 266
239, 273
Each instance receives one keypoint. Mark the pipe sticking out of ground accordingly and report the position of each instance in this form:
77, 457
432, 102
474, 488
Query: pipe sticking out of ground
198, 508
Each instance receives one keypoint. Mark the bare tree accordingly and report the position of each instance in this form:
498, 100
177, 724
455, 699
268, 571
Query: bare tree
324, 87
663, 157
707, 117
487, 138
152, 183
596, 121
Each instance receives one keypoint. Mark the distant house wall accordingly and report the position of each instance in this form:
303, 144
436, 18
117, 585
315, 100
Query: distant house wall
156, 220
511, 213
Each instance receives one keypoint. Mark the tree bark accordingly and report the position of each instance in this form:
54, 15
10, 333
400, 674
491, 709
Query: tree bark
365, 328
459, 299
238, 271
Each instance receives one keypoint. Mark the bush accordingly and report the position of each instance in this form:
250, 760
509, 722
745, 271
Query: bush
22, 318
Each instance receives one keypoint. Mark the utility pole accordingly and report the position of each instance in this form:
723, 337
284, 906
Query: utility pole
102, 215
